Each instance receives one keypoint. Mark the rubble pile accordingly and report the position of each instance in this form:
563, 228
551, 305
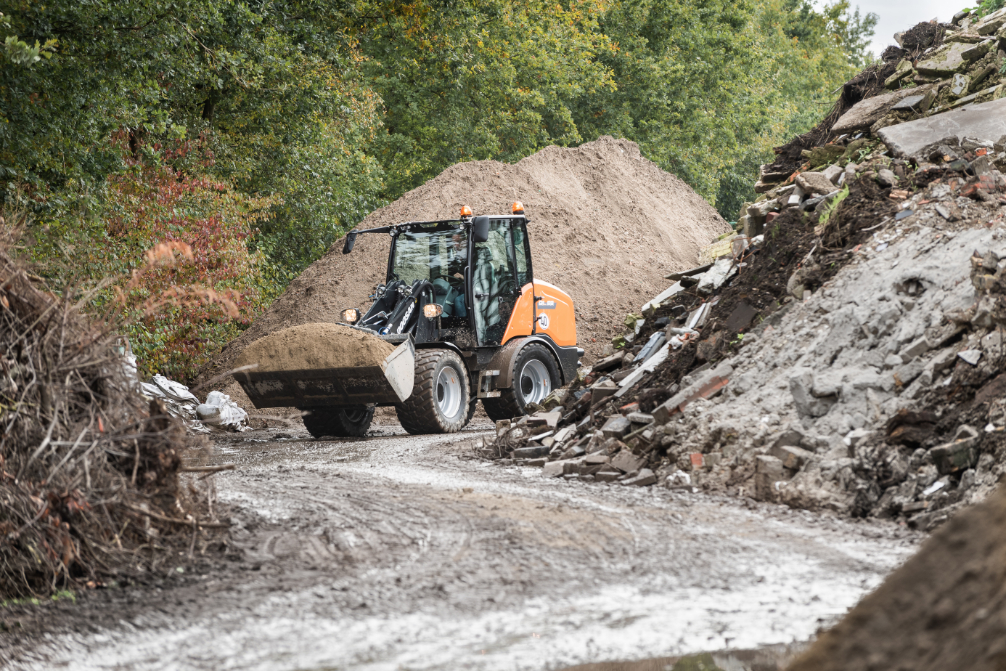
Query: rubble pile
843, 349
89, 469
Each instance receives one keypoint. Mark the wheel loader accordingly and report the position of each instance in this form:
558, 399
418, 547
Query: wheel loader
468, 322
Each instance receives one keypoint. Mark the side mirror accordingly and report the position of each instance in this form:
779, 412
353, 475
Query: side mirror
350, 241
480, 229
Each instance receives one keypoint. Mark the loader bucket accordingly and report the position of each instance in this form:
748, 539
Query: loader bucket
324, 365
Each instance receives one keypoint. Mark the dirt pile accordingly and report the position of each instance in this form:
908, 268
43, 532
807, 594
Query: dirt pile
846, 353
606, 225
89, 470
312, 346
944, 609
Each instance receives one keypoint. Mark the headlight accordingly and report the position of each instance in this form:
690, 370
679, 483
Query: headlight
432, 310
351, 316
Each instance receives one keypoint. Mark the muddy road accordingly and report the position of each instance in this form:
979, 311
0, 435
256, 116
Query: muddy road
399, 552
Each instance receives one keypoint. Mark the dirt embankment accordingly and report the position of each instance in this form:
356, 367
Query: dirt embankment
606, 225
942, 610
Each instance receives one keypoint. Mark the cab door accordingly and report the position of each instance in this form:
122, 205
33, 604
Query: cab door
495, 287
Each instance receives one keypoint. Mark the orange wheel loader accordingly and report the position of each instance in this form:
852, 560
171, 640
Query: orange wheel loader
468, 322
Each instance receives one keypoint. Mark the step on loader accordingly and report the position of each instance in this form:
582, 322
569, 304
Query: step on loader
460, 318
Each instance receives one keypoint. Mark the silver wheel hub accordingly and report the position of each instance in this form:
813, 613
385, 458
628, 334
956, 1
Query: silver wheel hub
449, 392
535, 383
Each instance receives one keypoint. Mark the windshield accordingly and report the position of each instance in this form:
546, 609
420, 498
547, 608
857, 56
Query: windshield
429, 256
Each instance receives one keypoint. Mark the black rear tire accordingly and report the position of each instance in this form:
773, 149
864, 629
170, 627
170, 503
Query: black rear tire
513, 401
440, 396
339, 421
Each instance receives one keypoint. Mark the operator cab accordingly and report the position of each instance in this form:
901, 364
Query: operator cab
465, 276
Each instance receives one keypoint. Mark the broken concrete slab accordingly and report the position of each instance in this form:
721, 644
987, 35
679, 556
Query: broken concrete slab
616, 427
530, 452
655, 302
716, 276
867, 112
815, 183
959, 455
627, 462
985, 121
645, 478
945, 61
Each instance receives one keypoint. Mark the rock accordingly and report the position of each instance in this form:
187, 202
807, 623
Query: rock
768, 471
801, 385
903, 70
832, 172
985, 122
916, 348
639, 418
867, 112
970, 356
597, 459
722, 270
795, 197
887, 177
959, 85
959, 455
991, 23
645, 478
945, 61
791, 457
530, 452
906, 373
916, 103
627, 462
609, 363
616, 427
815, 183
553, 469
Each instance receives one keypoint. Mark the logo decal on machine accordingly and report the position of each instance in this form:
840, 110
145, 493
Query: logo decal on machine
546, 305
543, 321
405, 319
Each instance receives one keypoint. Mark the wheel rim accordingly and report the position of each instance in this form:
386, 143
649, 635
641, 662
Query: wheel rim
356, 414
449, 391
535, 382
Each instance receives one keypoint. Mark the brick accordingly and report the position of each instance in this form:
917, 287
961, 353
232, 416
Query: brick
627, 462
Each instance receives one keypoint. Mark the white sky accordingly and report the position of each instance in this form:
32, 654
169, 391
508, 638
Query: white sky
898, 15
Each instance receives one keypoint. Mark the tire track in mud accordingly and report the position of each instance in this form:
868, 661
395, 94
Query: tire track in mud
395, 552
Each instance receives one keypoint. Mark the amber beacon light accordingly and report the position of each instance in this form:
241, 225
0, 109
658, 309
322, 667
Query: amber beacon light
517, 208
466, 211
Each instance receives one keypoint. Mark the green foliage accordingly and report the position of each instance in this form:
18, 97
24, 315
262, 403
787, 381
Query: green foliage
471, 80
986, 7
125, 124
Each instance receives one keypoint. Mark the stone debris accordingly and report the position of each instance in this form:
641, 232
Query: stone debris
837, 351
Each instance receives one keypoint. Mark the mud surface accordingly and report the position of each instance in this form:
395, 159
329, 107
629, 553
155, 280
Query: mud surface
605, 226
315, 346
397, 552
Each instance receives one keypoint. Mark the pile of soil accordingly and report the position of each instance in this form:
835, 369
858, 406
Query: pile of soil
312, 346
606, 225
944, 609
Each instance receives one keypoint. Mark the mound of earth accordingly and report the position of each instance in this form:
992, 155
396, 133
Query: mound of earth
605, 225
311, 346
944, 609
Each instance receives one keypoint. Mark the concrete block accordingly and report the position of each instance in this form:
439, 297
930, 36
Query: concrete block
639, 418
959, 455
945, 61
627, 462
792, 458
616, 427
867, 112
915, 349
814, 183
768, 471
832, 172
645, 478
530, 452
985, 121
553, 469
597, 459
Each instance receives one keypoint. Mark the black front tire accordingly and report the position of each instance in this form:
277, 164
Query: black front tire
440, 400
348, 421
512, 402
